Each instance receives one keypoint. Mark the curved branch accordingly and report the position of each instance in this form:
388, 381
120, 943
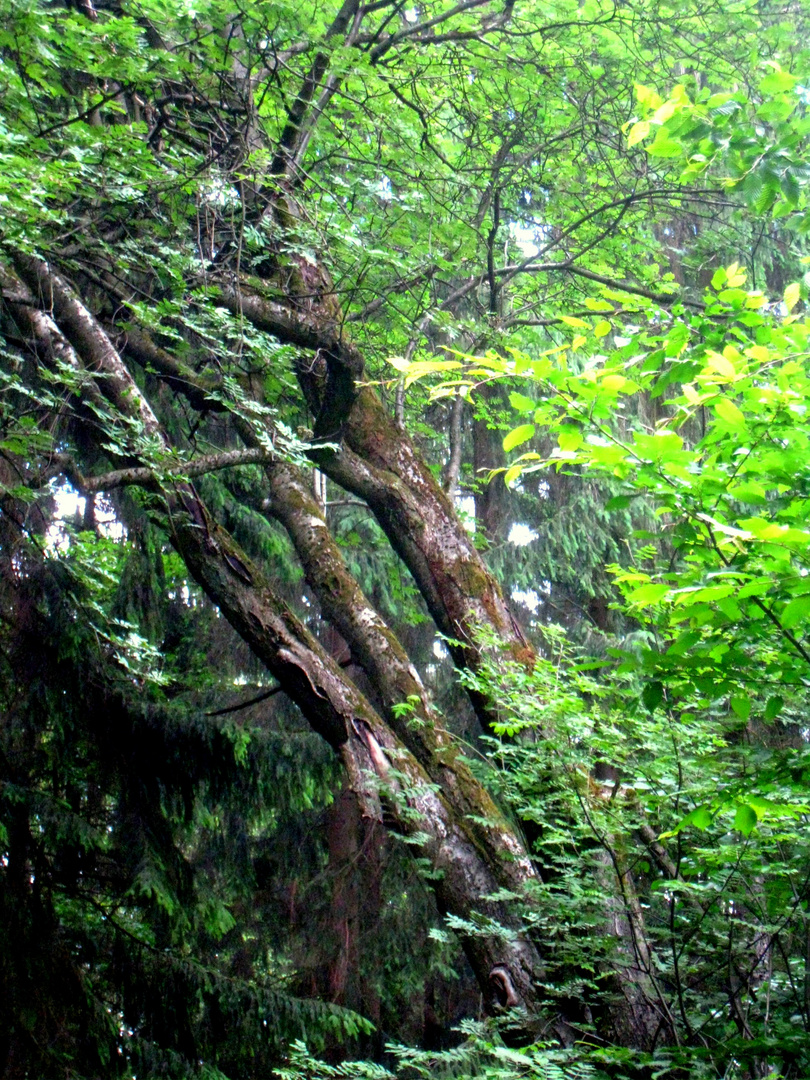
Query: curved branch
153, 476
331, 703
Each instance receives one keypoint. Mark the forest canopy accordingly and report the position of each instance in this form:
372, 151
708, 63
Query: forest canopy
403, 539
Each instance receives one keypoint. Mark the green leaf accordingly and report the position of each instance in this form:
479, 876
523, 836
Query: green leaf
741, 704
745, 819
750, 492
795, 612
648, 595
716, 100
522, 403
752, 185
791, 189
602, 328
773, 707
718, 278
777, 82
517, 436
728, 411
701, 818
570, 438
664, 147
652, 695
770, 189
733, 297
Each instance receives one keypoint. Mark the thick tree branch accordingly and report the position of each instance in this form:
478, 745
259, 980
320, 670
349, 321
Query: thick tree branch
331, 703
377, 650
153, 476
317, 331
86, 336
378, 463
420, 30
289, 145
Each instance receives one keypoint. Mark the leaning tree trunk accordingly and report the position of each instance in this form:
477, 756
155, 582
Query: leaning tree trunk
377, 461
428, 786
378, 763
475, 852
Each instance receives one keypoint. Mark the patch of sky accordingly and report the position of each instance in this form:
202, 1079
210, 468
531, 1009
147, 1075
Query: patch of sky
532, 598
440, 649
520, 535
465, 508
70, 507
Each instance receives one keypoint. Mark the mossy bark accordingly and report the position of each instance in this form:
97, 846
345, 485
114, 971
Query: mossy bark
379, 766
377, 650
464, 877
378, 462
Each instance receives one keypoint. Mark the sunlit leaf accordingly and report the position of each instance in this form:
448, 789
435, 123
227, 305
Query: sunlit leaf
792, 295
648, 595
728, 411
745, 819
638, 132
518, 436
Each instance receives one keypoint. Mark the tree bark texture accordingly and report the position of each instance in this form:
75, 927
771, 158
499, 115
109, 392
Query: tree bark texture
472, 861
378, 462
407, 761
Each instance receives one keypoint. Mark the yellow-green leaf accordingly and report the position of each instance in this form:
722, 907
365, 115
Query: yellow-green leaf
777, 82
647, 96
613, 382
638, 132
665, 112
648, 595
792, 294
729, 412
517, 436
664, 147
570, 439
721, 365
